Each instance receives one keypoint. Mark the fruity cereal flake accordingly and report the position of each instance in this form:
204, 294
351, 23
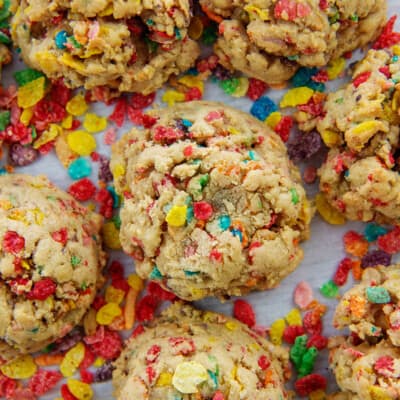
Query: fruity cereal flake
212, 204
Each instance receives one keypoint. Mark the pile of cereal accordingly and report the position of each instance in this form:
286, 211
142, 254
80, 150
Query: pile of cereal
193, 354
50, 265
212, 204
128, 46
269, 40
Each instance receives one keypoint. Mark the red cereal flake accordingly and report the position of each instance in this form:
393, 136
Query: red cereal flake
13, 242
140, 101
202, 210
193, 93
152, 354
104, 198
314, 106
166, 134
342, 271
361, 78
384, 366
60, 236
148, 121
264, 362
388, 37
312, 322
216, 256
121, 283
318, 341
182, 346
256, 89
116, 270
43, 380
390, 242
283, 127
385, 70
188, 151
86, 376
109, 347
310, 174
42, 289
291, 332
303, 295
118, 115
21, 393
309, 383
321, 76
66, 394
60, 93
47, 111
98, 302
289, 10
159, 293
355, 244
82, 190
243, 311
151, 373
88, 358
145, 308
7, 386
218, 395
135, 116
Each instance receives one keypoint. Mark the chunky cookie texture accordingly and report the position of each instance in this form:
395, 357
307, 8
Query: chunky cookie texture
270, 39
367, 364
50, 263
192, 354
212, 204
360, 177
125, 45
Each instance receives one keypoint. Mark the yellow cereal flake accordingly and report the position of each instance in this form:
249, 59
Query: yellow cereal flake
378, 393
114, 295
192, 81
360, 134
276, 331
81, 142
330, 138
47, 61
296, 96
72, 359
77, 105
111, 236
172, 96
26, 116
176, 216
107, 313
336, 67
273, 119
242, 87
135, 282
81, 390
70, 61
94, 123
31, 93
21, 368
188, 375
293, 317
48, 135
66, 123
165, 379
327, 212
255, 12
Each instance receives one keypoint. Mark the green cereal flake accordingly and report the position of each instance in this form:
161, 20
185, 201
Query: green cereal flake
329, 289
26, 75
378, 295
4, 119
295, 195
75, 261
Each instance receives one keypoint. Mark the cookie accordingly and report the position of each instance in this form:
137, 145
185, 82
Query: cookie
212, 204
370, 309
360, 177
366, 372
269, 40
50, 263
367, 364
124, 45
192, 354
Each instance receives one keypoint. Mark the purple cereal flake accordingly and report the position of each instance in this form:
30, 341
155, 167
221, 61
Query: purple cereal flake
104, 169
222, 73
104, 373
376, 257
304, 146
22, 155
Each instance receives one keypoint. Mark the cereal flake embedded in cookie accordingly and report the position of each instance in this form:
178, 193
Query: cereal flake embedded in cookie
128, 46
360, 177
269, 40
212, 204
192, 354
50, 263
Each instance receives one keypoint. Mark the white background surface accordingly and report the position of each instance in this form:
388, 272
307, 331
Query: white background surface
323, 251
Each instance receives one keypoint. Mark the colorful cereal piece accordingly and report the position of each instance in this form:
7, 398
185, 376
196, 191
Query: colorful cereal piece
188, 375
79, 168
111, 236
31, 93
327, 212
72, 359
303, 295
94, 123
21, 368
329, 289
107, 313
77, 105
276, 331
81, 390
293, 317
81, 142
176, 216
377, 295
296, 96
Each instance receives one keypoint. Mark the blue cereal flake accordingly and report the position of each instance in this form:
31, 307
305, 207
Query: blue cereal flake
373, 231
224, 222
303, 77
80, 168
377, 295
155, 274
61, 39
263, 107
191, 273
115, 197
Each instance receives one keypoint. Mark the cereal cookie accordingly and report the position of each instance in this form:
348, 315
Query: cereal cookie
192, 354
50, 263
125, 45
371, 309
212, 206
360, 177
270, 39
